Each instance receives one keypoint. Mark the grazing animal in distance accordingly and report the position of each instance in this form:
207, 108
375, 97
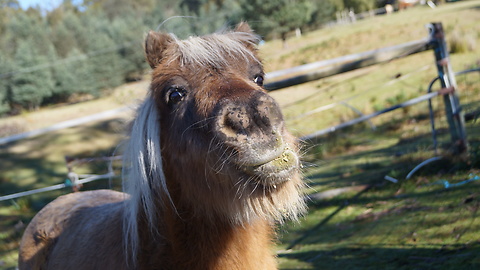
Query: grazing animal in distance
208, 170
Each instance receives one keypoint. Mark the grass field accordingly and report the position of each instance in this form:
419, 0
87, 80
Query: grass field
413, 224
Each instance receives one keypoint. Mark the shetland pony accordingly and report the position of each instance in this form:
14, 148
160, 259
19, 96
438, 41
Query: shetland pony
209, 168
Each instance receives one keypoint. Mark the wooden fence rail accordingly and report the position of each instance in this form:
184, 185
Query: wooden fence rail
322, 69
435, 40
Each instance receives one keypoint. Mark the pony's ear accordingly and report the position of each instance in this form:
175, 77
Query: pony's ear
243, 27
155, 47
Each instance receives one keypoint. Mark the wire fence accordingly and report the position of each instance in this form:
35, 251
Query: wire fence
74, 180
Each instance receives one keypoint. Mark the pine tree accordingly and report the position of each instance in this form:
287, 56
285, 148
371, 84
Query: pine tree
6, 66
73, 75
33, 82
360, 5
277, 17
64, 74
63, 39
324, 11
77, 27
105, 60
127, 33
30, 25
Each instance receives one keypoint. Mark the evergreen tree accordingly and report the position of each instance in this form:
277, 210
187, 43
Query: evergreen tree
64, 80
277, 17
77, 26
128, 33
216, 15
32, 83
73, 75
192, 6
360, 5
30, 25
324, 11
82, 69
98, 43
6, 66
63, 39
105, 60
7, 7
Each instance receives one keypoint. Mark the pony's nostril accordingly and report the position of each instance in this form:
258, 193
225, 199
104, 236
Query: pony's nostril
237, 118
234, 121
260, 116
268, 113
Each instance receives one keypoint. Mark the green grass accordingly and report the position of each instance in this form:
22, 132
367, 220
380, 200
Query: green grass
411, 224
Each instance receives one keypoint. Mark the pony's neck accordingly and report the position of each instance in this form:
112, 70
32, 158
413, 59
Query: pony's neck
218, 244
189, 242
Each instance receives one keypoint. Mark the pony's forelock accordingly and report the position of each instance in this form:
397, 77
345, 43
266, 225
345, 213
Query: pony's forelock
215, 49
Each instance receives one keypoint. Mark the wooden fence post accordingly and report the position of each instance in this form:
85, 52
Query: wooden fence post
455, 117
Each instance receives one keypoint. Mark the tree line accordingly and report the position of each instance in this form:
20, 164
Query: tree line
83, 49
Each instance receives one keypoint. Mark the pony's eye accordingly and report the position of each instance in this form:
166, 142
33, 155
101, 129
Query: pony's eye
258, 79
176, 95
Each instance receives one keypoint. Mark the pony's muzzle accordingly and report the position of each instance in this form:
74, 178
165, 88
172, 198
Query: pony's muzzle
254, 129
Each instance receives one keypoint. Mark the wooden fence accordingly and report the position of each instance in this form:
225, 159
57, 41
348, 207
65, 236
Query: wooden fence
435, 41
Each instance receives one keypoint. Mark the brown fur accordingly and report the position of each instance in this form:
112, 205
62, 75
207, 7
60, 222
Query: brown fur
193, 243
230, 171
69, 220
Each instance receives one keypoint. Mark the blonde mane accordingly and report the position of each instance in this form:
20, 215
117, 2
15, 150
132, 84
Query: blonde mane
142, 163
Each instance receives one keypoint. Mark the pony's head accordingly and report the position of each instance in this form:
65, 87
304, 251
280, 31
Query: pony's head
208, 139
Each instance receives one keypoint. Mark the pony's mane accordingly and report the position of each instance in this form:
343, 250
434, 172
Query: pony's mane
142, 162
214, 50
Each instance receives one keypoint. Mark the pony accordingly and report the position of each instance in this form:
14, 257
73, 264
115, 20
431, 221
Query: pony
209, 171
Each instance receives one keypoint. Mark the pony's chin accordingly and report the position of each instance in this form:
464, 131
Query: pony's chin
275, 171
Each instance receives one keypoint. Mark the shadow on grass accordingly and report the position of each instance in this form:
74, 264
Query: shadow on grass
436, 201
386, 257
429, 228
